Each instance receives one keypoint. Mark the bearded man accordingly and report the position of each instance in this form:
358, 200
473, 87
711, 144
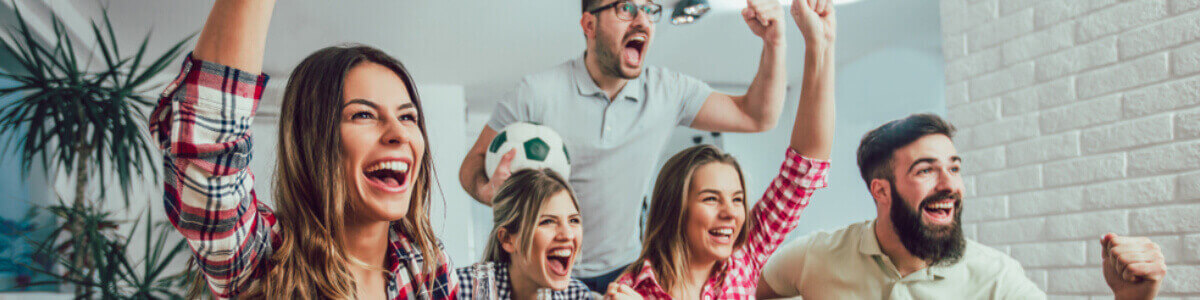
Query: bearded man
915, 249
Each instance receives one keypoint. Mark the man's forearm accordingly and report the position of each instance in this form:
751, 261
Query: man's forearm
764, 98
472, 177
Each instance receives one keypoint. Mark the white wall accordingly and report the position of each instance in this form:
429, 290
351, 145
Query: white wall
881, 86
1079, 118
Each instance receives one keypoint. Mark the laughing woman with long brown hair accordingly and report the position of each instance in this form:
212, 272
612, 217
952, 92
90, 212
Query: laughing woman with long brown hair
352, 176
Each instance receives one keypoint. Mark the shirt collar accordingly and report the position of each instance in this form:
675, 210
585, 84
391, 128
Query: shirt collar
869, 245
587, 87
645, 277
399, 250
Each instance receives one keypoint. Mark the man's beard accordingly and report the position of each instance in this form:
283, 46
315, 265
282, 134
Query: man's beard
608, 60
937, 244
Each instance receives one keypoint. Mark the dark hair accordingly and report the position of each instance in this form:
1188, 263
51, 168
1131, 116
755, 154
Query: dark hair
877, 146
586, 5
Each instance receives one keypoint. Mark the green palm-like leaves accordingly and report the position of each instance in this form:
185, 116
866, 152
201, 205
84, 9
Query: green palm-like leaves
72, 116
111, 272
88, 121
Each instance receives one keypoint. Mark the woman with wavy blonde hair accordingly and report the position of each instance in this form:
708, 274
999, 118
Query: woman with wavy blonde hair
536, 235
352, 180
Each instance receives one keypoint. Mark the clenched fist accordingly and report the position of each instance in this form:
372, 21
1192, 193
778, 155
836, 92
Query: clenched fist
1133, 266
816, 20
765, 18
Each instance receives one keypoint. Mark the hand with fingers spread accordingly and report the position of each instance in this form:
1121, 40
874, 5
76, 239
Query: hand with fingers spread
502, 173
764, 18
617, 291
1133, 266
817, 21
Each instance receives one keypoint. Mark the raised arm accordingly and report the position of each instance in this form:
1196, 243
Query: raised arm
202, 123
235, 34
806, 166
812, 134
758, 110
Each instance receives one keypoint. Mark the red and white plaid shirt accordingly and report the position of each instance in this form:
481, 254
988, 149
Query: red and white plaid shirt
776, 214
202, 124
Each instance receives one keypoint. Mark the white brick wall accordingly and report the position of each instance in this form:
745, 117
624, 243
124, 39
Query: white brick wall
1077, 118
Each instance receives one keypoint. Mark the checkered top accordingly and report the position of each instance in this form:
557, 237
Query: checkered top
776, 213
575, 291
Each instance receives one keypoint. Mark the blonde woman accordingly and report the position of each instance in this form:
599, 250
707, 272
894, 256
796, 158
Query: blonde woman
702, 240
352, 173
536, 236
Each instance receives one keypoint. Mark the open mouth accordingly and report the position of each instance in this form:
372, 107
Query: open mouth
722, 235
940, 212
634, 47
388, 175
558, 260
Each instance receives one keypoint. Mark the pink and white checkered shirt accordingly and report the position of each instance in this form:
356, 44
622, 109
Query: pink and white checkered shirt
776, 214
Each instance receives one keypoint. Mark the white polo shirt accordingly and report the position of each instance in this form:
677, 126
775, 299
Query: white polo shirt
613, 144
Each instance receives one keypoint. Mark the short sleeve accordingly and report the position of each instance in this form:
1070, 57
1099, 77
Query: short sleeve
691, 93
514, 107
784, 269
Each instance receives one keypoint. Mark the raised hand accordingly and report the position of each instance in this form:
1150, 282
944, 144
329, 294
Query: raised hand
816, 19
1133, 266
502, 173
764, 18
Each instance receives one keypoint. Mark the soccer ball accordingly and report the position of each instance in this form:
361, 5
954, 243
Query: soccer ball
537, 147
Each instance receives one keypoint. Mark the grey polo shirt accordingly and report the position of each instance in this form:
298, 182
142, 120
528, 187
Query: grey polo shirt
849, 264
614, 145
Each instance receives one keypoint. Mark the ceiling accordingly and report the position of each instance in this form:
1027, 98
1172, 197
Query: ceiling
486, 46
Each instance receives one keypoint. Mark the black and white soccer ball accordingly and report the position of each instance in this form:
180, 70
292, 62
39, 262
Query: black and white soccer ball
537, 147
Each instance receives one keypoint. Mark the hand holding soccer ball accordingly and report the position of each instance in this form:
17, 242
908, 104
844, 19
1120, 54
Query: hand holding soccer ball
533, 147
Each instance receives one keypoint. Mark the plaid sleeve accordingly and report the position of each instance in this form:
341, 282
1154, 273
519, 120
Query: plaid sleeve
779, 209
202, 125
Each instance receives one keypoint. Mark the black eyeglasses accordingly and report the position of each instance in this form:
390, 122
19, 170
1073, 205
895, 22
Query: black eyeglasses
628, 11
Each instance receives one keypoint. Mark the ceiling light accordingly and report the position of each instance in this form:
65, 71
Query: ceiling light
688, 11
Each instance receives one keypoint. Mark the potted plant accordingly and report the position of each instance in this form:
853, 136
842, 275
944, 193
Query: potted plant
84, 113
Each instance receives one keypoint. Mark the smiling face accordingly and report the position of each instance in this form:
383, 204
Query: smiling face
716, 211
619, 46
926, 199
381, 142
927, 178
555, 241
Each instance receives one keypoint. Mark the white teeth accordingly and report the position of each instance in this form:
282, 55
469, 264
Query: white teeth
397, 166
722, 231
561, 253
639, 38
942, 205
